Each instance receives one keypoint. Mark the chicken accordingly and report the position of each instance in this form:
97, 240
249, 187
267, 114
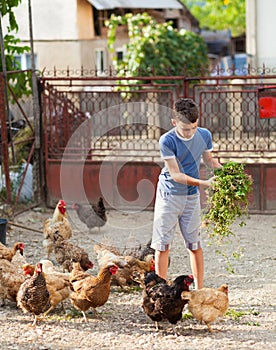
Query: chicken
33, 295
103, 246
147, 251
207, 304
57, 283
58, 222
128, 265
90, 291
162, 300
66, 251
106, 256
126, 275
11, 278
92, 215
9, 253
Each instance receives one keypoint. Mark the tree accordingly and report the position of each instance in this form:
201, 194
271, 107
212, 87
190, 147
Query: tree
219, 14
20, 82
157, 49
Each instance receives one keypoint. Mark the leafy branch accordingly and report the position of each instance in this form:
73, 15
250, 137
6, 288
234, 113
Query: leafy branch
227, 202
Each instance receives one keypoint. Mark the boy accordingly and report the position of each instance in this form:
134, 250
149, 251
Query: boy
177, 194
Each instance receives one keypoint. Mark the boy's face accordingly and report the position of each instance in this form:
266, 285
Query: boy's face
184, 130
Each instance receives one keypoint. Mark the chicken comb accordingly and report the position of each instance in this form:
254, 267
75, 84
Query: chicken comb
62, 202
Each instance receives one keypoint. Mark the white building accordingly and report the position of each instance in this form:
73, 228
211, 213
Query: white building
71, 33
260, 33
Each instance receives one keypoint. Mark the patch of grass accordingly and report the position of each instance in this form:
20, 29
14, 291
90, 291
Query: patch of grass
187, 316
129, 289
236, 314
252, 323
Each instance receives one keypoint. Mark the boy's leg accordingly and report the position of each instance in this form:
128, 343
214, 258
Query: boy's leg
166, 211
197, 265
190, 222
162, 263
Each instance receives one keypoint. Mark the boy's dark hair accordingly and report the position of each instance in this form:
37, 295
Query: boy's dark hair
186, 110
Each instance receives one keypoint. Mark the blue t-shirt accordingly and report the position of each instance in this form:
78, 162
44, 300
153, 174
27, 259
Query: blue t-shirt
188, 154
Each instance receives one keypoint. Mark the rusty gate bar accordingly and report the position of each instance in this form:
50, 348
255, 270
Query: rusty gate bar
4, 150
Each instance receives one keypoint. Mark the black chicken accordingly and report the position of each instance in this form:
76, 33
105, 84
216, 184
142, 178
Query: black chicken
92, 215
162, 300
33, 295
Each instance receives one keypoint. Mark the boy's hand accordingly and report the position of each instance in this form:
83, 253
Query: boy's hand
207, 183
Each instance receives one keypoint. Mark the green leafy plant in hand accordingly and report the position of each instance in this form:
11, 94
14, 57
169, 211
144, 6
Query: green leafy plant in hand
227, 202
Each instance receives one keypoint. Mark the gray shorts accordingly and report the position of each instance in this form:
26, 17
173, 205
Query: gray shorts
172, 209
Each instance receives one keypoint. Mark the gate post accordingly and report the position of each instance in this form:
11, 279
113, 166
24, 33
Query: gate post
4, 134
38, 164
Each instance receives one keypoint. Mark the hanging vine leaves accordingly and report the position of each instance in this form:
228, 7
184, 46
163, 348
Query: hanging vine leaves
227, 202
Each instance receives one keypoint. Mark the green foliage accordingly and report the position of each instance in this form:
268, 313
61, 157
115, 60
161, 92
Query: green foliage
228, 198
227, 202
6, 9
219, 14
19, 82
157, 49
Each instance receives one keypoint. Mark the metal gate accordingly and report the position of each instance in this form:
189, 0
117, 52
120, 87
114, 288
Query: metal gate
240, 112
101, 134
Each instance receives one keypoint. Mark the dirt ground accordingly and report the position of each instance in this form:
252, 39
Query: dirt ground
248, 324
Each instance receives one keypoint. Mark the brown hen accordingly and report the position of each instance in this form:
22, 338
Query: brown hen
11, 278
65, 252
90, 291
126, 274
9, 253
128, 265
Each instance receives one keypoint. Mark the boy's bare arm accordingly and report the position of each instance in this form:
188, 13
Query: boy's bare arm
182, 178
210, 161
